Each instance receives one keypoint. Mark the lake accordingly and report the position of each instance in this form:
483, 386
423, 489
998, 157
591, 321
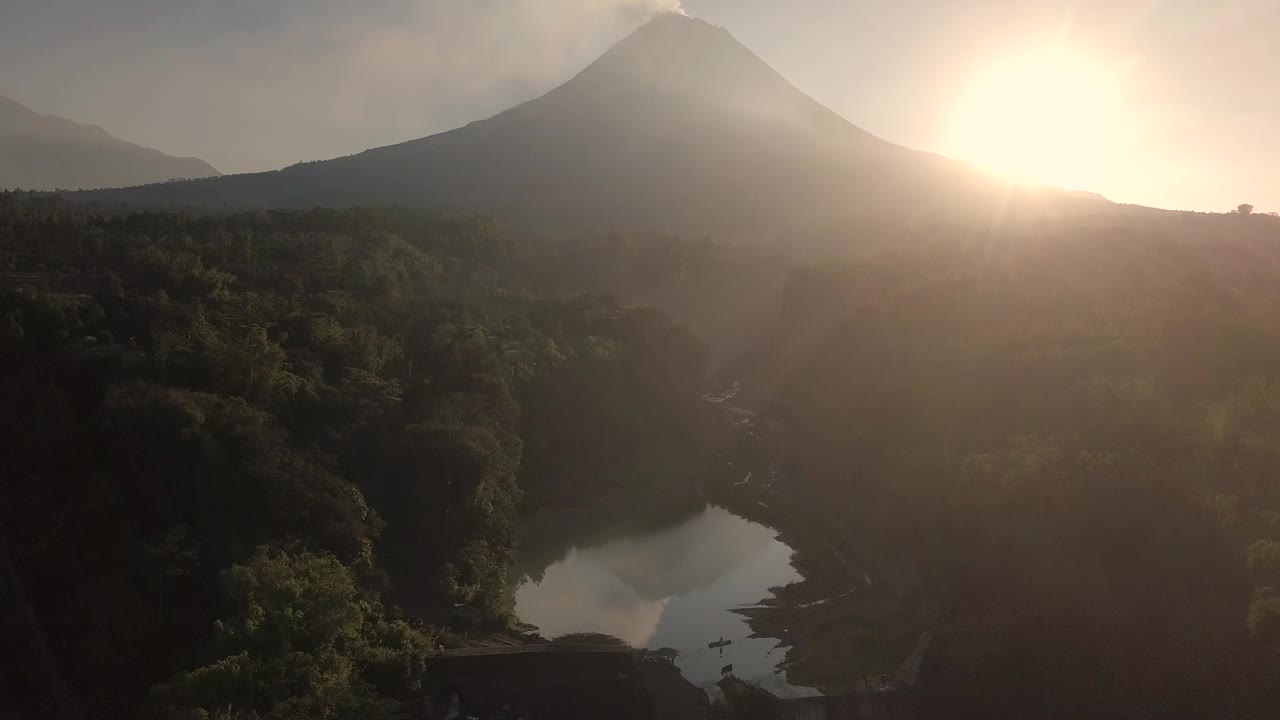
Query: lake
671, 587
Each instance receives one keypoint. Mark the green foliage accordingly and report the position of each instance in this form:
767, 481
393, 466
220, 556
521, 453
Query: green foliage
299, 640
1264, 613
1075, 427
367, 393
1264, 561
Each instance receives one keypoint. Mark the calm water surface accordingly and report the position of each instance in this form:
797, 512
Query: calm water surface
673, 587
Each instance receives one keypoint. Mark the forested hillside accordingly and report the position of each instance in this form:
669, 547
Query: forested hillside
262, 464
1072, 430
236, 446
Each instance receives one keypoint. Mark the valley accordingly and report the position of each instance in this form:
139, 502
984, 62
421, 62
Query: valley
802, 612
665, 385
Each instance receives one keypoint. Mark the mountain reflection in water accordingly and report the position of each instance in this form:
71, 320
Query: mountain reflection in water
673, 587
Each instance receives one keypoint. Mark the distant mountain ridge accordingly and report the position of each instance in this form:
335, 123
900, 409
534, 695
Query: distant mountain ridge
47, 152
677, 128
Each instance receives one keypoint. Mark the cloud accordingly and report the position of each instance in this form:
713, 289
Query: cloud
576, 595
623, 587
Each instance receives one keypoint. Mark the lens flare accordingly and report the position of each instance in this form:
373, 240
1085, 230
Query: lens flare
1044, 117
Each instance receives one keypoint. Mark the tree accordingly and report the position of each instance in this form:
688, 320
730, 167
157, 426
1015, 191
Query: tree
1264, 611
272, 369
1264, 561
1244, 209
300, 640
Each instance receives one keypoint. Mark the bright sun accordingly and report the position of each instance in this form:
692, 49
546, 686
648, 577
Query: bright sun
1039, 118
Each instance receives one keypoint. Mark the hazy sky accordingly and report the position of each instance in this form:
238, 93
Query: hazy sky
1194, 120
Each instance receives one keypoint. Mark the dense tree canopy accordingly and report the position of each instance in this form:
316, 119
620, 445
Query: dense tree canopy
242, 437
1076, 429
263, 462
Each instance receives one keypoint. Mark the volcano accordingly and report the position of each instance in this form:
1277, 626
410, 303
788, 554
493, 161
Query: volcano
677, 128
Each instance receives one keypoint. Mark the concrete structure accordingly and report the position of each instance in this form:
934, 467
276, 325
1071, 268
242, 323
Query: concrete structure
565, 682
753, 702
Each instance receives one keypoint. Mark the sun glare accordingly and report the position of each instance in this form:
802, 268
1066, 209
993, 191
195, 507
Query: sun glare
1038, 118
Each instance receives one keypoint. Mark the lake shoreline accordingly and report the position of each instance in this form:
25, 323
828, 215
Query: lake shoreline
857, 611
847, 616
